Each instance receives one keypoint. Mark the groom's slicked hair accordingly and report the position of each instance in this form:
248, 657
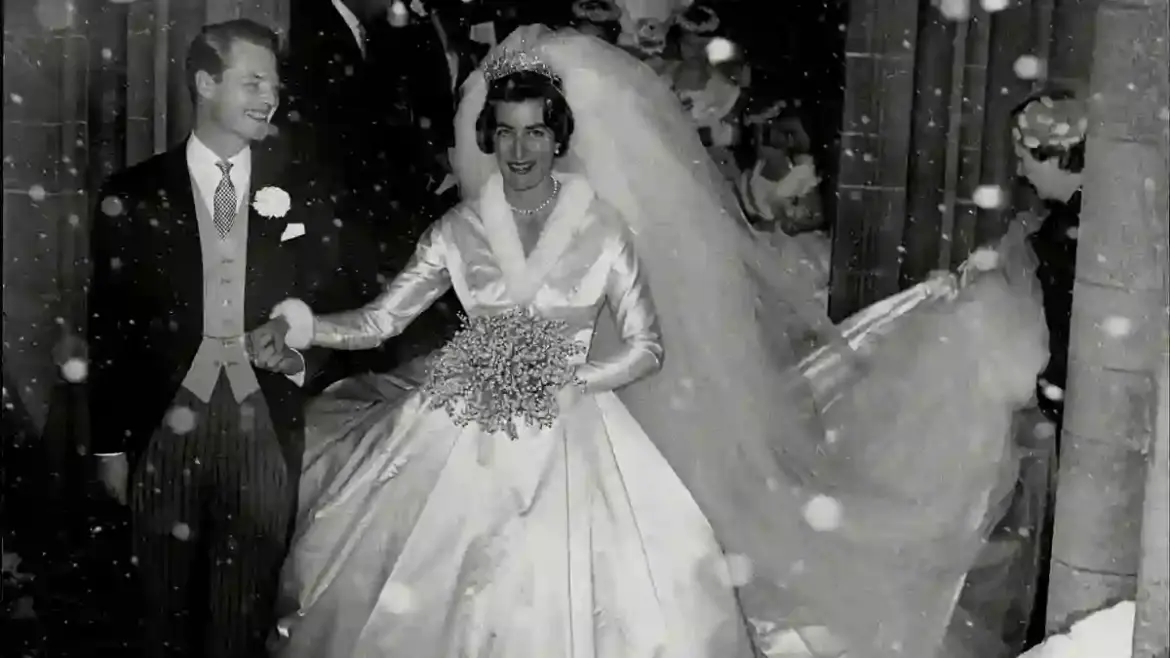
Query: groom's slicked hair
209, 50
517, 88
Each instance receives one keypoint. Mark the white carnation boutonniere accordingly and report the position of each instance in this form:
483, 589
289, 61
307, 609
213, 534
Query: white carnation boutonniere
272, 202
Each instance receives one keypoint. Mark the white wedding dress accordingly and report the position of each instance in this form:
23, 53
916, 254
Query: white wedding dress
421, 538
847, 526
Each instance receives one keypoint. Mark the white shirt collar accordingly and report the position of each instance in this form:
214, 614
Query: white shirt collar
202, 162
354, 25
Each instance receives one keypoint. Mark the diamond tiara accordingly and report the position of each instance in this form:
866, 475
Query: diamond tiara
508, 61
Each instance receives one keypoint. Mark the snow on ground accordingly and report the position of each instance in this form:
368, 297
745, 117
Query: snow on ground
1106, 633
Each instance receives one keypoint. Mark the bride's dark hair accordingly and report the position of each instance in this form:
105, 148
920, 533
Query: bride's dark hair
520, 87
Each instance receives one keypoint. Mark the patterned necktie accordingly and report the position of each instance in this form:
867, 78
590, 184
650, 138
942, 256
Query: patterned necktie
225, 201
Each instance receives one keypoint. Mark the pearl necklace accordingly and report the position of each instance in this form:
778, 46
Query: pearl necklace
556, 190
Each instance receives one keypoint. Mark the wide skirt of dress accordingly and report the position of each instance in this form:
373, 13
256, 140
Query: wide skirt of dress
421, 538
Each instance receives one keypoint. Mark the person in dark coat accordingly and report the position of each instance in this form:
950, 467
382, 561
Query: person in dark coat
1049, 135
190, 251
371, 90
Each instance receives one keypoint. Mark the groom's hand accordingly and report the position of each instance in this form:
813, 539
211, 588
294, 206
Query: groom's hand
266, 344
289, 364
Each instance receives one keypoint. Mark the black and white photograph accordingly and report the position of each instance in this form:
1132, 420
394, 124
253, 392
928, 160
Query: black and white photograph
586, 329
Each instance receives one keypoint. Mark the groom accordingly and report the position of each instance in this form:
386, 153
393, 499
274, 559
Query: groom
203, 438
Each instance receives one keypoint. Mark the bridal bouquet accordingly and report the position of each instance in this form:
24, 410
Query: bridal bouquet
502, 368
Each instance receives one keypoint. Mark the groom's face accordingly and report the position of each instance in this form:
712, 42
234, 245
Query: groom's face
525, 146
246, 94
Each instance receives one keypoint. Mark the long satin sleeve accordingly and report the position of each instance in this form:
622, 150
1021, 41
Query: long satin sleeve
628, 296
424, 280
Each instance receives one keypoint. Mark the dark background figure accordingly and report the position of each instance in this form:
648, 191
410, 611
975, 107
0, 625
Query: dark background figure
1051, 164
371, 91
1048, 133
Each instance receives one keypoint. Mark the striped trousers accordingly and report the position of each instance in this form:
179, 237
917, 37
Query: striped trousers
210, 504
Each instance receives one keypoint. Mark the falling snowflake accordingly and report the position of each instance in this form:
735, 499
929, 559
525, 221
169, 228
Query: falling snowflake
112, 206
181, 420
823, 513
181, 531
1117, 326
992, 6
988, 197
37, 193
1053, 392
720, 50
75, 370
1029, 67
16, 99
398, 599
399, 15
954, 10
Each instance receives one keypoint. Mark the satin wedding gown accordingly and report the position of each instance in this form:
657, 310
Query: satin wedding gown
420, 538
853, 525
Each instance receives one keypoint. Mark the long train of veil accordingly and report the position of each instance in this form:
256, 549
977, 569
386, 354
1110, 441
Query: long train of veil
822, 527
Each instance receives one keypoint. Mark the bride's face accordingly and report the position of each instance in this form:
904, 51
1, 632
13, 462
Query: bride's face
525, 146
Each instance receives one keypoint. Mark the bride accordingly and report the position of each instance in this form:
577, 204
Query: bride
689, 501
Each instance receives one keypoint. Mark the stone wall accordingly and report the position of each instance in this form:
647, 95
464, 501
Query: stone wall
45, 179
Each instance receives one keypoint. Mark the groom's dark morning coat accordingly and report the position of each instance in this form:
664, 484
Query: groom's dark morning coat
145, 301
213, 492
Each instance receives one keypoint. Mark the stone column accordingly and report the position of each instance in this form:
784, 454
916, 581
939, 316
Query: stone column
1152, 627
1118, 316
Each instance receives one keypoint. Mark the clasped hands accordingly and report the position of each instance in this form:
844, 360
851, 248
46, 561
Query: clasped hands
267, 349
